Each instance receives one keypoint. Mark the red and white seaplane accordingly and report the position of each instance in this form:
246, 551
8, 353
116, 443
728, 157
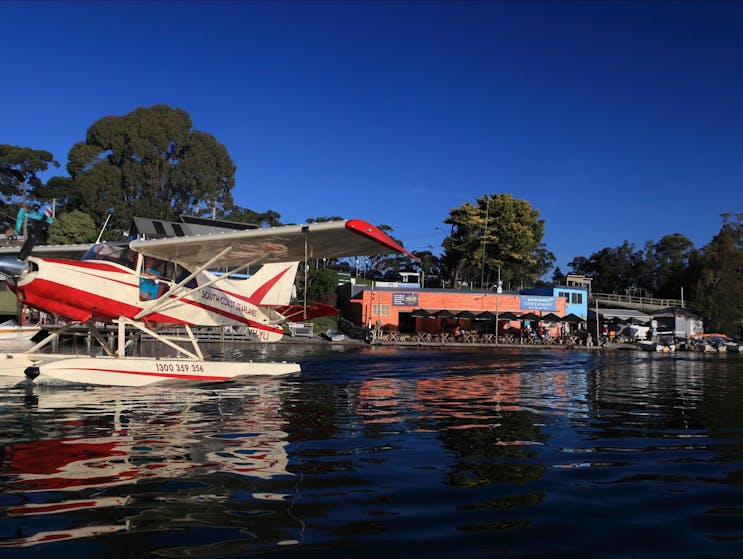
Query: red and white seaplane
109, 285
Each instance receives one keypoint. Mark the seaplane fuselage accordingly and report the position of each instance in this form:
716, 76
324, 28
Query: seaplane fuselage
102, 290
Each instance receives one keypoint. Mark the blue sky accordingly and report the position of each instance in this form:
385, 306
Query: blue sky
616, 120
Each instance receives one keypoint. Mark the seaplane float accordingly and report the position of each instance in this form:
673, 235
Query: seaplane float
145, 284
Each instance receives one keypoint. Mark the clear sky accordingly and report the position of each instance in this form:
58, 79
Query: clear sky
616, 120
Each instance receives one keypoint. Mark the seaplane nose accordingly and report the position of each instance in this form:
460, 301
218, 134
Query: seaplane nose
11, 267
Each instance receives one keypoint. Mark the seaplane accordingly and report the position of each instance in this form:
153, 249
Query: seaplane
150, 284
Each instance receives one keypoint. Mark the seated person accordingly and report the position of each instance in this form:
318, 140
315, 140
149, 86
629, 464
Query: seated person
148, 280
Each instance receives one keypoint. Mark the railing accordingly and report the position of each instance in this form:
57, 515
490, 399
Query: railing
638, 301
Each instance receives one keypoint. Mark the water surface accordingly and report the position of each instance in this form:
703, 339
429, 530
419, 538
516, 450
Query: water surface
375, 452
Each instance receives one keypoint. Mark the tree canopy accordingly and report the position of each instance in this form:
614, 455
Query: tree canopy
150, 163
19, 170
719, 287
498, 232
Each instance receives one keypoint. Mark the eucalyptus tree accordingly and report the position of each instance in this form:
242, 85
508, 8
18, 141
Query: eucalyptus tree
150, 163
19, 170
499, 234
719, 288
668, 265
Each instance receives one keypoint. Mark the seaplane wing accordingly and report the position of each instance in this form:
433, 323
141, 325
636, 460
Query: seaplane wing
332, 239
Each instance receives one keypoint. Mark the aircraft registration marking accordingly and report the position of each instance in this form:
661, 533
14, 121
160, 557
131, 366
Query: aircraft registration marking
164, 367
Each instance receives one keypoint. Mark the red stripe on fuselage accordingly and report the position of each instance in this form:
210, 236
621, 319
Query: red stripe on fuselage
145, 373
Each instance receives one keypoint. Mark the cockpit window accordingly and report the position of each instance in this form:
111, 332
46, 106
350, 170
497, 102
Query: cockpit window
120, 254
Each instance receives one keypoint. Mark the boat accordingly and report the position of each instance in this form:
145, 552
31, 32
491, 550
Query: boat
11, 331
714, 342
333, 335
661, 343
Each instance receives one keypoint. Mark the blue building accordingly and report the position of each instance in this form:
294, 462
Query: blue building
576, 297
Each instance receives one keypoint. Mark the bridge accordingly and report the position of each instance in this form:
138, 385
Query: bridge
645, 304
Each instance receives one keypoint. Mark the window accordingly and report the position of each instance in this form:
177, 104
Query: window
577, 298
380, 310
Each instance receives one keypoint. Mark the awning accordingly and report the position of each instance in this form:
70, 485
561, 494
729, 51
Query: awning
572, 319
529, 316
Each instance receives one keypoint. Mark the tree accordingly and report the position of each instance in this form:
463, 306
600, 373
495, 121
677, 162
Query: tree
719, 289
499, 232
668, 265
72, 228
613, 270
237, 213
19, 169
321, 285
150, 163
430, 266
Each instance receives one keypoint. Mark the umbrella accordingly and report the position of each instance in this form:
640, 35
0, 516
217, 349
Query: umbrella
508, 315
420, 313
485, 315
572, 318
443, 314
551, 317
529, 316
466, 315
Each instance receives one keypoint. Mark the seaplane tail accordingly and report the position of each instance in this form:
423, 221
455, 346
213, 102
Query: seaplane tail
273, 284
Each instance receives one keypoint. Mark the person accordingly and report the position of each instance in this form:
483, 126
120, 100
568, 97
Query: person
148, 280
37, 226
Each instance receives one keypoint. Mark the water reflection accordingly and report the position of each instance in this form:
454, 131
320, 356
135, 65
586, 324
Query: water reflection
373, 453
101, 448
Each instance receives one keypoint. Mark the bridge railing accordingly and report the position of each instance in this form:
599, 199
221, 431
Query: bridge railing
639, 301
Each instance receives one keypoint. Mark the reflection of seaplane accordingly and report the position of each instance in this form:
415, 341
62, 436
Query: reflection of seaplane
105, 286
143, 437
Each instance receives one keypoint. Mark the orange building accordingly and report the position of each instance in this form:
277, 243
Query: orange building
406, 310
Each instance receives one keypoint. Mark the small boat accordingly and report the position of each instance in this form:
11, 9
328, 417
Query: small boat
714, 342
9, 330
663, 344
333, 335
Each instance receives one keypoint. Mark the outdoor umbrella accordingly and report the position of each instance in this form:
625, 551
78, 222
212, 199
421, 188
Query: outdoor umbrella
466, 315
443, 313
508, 315
420, 313
572, 319
485, 315
550, 317
529, 316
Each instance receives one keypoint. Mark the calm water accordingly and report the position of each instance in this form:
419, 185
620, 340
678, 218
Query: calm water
387, 453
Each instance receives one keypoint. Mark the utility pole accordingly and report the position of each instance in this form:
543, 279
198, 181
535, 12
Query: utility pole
484, 233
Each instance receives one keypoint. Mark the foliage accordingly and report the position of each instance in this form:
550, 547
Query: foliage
62, 191
150, 163
72, 228
719, 288
321, 285
19, 167
661, 270
239, 214
498, 232
612, 269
